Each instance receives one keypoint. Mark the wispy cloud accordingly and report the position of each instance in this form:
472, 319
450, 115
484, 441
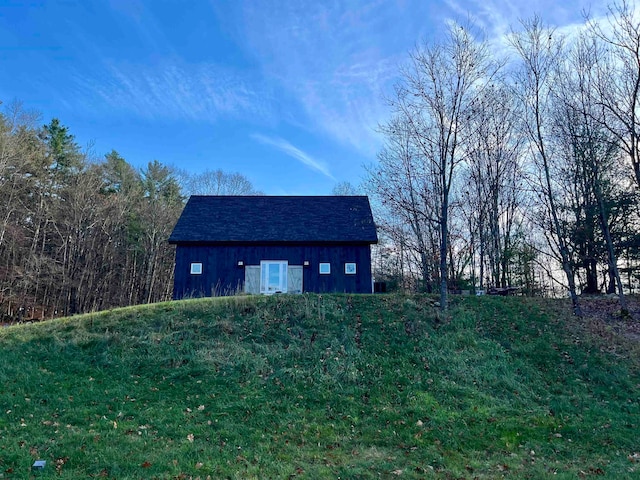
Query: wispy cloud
498, 17
294, 152
139, 16
174, 90
336, 60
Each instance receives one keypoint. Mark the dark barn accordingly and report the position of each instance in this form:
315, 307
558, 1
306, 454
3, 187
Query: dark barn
267, 244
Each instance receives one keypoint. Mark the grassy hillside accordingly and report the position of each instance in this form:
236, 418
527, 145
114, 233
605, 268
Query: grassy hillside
322, 387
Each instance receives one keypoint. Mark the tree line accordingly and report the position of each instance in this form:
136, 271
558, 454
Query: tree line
515, 169
80, 234
518, 169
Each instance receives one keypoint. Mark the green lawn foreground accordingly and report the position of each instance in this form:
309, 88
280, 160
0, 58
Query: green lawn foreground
320, 386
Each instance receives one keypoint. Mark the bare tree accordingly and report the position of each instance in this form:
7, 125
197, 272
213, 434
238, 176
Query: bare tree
438, 96
406, 201
345, 189
591, 155
539, 53
493, 192
215, 182
618, 78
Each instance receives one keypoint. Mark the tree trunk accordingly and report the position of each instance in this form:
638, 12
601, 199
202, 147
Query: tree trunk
591, 272
444, 275
564, 251
613, 262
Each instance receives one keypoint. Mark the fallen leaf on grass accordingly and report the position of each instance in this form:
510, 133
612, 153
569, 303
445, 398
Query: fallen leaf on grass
146, 465
397, 472
60, 463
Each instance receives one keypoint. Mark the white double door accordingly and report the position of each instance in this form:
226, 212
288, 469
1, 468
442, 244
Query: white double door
273, 276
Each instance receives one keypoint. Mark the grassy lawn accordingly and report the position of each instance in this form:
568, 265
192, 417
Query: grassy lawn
331, 386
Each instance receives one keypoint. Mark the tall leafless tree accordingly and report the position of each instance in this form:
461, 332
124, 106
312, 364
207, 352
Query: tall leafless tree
618, 77
493, 191
539, 52
439, 96
405, 191
591, 154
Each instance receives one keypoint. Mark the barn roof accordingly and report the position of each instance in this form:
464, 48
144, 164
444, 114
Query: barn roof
270, 219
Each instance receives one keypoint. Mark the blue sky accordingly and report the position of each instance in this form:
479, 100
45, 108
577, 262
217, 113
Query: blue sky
287, 92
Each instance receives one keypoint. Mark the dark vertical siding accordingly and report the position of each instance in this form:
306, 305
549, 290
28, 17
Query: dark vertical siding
222, 276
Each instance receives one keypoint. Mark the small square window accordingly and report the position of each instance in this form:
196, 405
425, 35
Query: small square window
350, 268
196, 269
325, 269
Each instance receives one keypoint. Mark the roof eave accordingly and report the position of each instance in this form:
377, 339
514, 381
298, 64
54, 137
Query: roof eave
271, 242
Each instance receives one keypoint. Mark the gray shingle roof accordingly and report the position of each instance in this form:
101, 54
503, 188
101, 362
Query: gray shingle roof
267, 219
